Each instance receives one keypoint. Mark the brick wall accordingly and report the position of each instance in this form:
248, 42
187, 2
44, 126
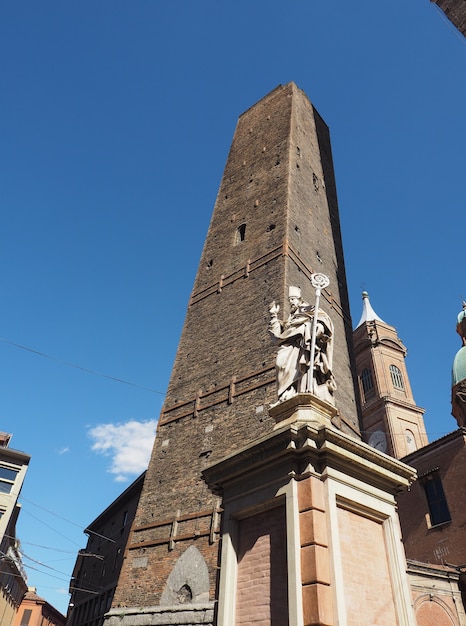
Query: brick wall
366, 580
431, 613
262, 589
445, 542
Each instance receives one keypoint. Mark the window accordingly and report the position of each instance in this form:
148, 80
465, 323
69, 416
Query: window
397, 378
26, 617
124, 522
367, 382
240, 234
7, 478
438, 507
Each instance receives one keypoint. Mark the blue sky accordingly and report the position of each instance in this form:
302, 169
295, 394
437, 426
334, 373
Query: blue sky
116, 121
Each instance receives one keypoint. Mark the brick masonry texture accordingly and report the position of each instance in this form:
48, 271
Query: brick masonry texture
433, 614
445, 542
366, 579
278, 191
438, 612
455, 10
262, 590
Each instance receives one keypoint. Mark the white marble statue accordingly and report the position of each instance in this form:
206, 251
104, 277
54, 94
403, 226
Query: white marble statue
294, 337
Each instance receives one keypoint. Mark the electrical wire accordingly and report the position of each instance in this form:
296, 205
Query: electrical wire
51, 512
85, 529
65, 580
37, 545
51, 527
79, 367
26, 556
69, 578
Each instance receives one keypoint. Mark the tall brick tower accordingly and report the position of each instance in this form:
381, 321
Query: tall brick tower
275, 222
455, 10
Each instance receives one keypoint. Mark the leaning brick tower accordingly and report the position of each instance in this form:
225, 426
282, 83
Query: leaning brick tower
275, 222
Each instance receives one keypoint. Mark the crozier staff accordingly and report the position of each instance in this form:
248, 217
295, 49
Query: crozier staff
298, 337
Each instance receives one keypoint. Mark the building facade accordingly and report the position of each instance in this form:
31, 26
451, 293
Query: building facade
35, 611
13, 585
13, 468
95, 574
437, 597
432, 513
13, 579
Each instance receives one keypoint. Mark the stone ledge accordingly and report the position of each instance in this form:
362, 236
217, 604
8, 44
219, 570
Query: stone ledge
179, 615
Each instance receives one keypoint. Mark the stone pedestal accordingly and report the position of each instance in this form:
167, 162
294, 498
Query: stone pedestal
339, 554
304, 408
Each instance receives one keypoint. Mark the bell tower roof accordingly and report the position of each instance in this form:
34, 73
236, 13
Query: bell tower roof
368, 313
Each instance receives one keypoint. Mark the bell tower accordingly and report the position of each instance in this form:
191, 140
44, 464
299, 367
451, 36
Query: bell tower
392, 422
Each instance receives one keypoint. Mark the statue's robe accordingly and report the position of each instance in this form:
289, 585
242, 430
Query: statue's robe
294, 374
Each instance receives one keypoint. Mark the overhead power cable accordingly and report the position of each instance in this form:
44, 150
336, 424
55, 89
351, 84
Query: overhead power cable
65, 580
80, 526
71, 580
37, 545
51, 512
24, 511
25, 556
79, 367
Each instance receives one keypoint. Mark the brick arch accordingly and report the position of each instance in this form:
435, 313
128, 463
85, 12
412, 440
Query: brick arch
432, 611
188, 582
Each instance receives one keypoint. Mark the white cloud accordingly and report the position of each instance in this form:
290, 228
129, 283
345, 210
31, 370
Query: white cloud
129, 445
64, 450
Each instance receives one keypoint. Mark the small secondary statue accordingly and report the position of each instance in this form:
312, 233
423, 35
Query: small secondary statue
305, 340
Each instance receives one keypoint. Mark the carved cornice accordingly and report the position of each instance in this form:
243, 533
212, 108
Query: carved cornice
302, 446
372, 406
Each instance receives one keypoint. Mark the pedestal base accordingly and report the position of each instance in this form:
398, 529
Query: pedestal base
304, 408
340, 540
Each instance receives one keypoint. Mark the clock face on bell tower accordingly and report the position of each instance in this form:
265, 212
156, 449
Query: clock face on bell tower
378, 440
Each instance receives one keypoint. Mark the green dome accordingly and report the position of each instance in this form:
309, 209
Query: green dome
459, 367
